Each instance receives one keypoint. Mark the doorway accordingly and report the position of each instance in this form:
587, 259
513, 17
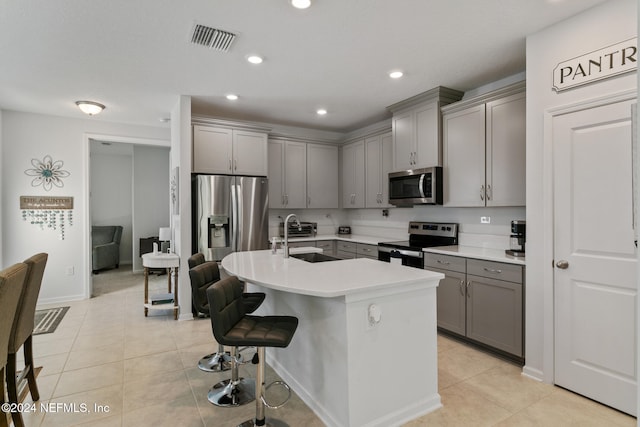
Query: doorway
595, 260
128, 186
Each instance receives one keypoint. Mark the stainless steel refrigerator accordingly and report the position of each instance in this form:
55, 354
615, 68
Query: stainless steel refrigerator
231, 214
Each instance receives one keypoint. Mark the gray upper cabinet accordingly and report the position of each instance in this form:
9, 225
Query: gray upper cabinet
229, 151
484, 144
416, 127
378, 152
353, 175
322, 176
287, 174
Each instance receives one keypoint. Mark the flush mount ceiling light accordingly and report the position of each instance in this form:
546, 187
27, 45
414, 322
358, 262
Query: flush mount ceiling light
321, 112
232, 97
301, 4
396, 74
89, 107
255, 59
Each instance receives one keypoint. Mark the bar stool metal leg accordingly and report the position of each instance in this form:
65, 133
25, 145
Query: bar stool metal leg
219, 361
234, 392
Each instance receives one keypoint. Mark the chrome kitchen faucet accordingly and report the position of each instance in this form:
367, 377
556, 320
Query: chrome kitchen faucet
286, 233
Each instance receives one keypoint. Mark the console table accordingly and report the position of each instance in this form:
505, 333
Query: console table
166, 301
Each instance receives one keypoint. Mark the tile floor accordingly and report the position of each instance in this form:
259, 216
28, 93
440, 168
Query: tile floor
134, 371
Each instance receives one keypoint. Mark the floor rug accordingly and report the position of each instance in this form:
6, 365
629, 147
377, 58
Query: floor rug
47, 320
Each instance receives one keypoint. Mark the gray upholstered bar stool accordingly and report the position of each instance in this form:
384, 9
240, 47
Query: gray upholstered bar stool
202, 276
232, 326
12, 282
22, 333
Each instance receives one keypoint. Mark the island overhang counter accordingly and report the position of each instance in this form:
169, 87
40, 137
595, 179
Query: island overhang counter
365, 352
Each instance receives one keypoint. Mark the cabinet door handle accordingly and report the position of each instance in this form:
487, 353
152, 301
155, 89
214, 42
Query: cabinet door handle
462, 287
286, 199
230, 164
469, 289
308, 201
235, 162
482, 193
443, 262
282, 200
488, 192
492, 270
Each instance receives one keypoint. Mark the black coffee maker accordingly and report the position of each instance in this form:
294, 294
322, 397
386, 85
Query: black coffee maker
517, 238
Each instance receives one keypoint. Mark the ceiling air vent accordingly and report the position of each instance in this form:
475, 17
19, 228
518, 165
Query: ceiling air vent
212, 38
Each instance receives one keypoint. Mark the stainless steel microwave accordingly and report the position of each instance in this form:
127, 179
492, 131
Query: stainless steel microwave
416, 187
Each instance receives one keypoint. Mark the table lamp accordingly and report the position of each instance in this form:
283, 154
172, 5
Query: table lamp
164, 235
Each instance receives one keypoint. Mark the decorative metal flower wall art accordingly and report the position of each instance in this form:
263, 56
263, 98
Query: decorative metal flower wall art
47, 173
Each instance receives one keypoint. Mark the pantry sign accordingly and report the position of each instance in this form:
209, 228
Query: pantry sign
601, 64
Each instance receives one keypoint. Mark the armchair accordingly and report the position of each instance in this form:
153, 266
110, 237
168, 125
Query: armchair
105, 242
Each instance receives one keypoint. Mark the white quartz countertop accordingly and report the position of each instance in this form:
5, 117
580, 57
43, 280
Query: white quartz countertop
476, 252
324, 279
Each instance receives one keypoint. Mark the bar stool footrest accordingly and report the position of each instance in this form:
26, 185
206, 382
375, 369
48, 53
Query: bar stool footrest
264, 400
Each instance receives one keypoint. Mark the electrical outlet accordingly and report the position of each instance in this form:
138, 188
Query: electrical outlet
69, 271
485, 220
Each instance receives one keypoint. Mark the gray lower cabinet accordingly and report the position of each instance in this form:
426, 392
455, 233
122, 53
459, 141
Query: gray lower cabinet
345, 250
349, 250
364, 250
328, 247
481, 300
451, 301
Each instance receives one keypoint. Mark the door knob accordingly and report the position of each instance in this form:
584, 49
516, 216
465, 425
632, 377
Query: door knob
562, 264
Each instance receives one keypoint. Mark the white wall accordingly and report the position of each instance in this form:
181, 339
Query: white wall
151, 207
26, 136
181, 149
111, 194
604, 25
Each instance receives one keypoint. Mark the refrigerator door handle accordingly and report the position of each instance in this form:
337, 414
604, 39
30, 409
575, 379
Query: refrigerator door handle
234, 218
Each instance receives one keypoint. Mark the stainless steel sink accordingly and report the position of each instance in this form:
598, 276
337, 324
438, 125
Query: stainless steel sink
314, 257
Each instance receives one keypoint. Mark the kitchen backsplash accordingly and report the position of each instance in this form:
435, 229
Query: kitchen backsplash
370, 222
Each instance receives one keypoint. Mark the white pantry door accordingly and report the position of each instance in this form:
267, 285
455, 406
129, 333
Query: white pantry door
595, 256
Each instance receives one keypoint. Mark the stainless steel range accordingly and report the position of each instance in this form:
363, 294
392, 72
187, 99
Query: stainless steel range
421, 235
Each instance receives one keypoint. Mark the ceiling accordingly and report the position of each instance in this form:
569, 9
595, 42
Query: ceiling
136, 56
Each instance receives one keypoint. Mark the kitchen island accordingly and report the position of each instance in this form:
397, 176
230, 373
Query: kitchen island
365, 352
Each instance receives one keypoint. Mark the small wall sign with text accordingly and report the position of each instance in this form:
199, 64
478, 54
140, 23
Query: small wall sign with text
601, 64
48, 212
45, 202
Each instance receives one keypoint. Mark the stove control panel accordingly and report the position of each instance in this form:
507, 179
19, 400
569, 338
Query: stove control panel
433, 229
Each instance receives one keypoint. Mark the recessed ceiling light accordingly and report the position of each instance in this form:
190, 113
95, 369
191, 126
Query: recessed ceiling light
396, 74
301, 4
321, 112
254, 59
232, 97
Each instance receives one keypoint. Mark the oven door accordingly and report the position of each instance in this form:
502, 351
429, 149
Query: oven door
407, 257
